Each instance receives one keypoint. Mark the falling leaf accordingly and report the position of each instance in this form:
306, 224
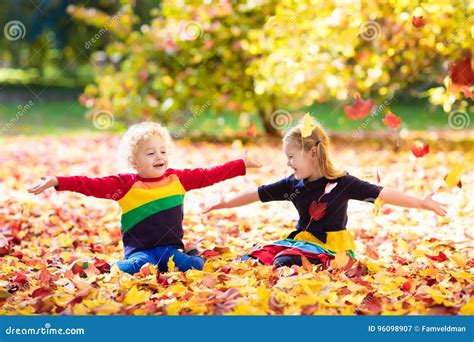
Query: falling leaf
359, 109
308, 126
453, 178
252, 130
462, 72
391, 120
418, 21
378, 203
419, 149
317, 210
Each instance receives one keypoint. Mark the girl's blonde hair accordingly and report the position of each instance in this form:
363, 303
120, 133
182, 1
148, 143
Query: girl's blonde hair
320, 141
137, 134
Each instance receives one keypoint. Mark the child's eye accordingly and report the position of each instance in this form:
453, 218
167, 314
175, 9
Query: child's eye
163, 152
150, 154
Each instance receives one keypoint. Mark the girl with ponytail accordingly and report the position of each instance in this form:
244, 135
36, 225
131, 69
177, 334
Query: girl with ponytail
320, 192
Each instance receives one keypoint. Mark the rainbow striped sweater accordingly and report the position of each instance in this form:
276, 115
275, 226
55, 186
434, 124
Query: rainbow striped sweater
152, 208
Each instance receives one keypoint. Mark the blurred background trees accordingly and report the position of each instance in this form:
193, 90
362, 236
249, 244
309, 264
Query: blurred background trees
177, 60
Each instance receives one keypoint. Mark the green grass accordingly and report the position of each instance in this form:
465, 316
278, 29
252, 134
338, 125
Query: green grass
69, 117
44, 118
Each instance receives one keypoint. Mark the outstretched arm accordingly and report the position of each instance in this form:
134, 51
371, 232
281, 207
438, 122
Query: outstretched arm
240, 199
203, 177
46, 182
110, 187
398, 198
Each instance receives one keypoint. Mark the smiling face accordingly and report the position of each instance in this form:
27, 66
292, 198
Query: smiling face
151, 157
302, 162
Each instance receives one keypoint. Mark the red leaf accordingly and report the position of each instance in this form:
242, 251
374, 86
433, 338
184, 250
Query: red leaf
419, 149
41, 292
440, 257
210, 253
44, 277
20, 279
467, 92
102, 265
406, 286
4, 247
391, 120
371, 253
317, 210
462, 73
418, 21
252, 130
17, 254
75, 301
359, 109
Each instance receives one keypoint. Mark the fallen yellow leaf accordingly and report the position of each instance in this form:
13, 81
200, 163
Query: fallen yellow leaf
136, 296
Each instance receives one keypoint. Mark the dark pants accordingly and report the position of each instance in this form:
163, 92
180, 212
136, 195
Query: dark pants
159, 256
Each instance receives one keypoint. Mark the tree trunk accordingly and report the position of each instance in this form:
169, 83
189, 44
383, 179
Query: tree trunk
267, 124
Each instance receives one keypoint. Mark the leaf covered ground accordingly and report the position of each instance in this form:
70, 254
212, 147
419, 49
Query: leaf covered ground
409, 261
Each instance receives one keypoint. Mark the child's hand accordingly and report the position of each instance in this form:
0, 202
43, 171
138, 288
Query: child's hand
429, 203
47, 182
250, 162
207, 208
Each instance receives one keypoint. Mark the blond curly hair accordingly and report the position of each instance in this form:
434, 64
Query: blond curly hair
137, 134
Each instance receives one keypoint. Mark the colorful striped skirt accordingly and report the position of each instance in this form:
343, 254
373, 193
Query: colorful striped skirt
305, 244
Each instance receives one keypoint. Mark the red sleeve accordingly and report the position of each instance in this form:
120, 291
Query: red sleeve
202, 177
110, 187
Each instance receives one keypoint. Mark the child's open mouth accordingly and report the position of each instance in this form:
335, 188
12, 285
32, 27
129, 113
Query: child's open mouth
158, 165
